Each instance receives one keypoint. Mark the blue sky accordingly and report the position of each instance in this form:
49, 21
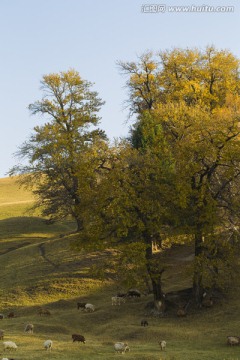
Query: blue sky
38, 37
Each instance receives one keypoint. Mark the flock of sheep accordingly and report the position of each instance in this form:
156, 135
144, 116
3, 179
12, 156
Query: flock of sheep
118, 299
119, 347
11, 345
48, 344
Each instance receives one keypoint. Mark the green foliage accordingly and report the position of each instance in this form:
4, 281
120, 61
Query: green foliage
131, 209
58, 150
187, 106
125, 264
217, 261
176, 178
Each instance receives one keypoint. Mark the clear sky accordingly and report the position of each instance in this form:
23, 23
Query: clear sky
38, 37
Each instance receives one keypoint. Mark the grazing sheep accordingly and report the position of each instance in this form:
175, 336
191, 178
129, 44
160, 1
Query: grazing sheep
9, 345
144, 323
29, 328
81, 305
121, 347
48, 345
77, 337
11, 315
89, 308
116, 300
7, 359
233, 340
1, 334
162, 344
42, 311
2, 316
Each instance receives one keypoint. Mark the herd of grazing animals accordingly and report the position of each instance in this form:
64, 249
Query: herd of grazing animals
11, 345
119, 347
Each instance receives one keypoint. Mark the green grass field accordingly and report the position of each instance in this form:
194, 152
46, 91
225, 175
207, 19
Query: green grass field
39, 268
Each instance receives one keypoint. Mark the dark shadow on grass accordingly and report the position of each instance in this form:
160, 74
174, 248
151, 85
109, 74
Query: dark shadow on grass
17, 226
13, 248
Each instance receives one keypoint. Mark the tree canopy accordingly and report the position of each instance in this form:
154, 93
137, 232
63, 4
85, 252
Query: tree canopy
57, 151
188, 101
176, 177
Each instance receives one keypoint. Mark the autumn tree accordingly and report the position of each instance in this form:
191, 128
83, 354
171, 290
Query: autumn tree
63, 154
131, 208
191, 98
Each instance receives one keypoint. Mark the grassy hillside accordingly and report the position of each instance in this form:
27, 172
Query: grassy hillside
39, 268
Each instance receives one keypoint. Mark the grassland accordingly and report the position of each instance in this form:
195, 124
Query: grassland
39, 268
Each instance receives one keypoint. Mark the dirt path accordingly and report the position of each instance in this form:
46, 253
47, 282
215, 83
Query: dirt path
43, 254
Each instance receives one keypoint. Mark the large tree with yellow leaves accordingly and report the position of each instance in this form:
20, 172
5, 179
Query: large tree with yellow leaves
187, 105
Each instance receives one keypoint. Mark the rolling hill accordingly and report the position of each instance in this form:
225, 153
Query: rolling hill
39, 267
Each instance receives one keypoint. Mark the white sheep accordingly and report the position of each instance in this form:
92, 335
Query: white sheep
48, 345
9, 345
163, 344
121, 347
233, 340
89, 308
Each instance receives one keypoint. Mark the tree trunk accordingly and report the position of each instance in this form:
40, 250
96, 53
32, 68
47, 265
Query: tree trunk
197, 275
155, 274
159, 298
79, 224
